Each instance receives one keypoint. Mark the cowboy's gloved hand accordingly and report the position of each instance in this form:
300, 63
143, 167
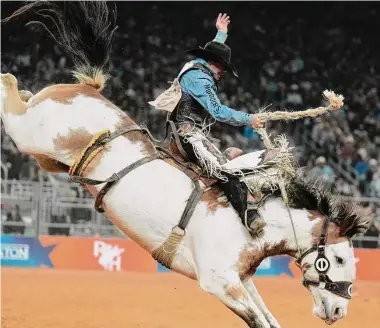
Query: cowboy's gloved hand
256, 122
222, 23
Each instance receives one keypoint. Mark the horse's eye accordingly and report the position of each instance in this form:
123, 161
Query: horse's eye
339, 260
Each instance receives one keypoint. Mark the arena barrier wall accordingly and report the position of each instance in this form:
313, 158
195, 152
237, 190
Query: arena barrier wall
75, 253
125, 255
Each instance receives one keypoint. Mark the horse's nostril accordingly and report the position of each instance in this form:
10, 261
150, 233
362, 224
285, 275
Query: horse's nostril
337, 312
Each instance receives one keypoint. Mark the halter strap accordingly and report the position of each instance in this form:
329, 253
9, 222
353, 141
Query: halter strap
322, 265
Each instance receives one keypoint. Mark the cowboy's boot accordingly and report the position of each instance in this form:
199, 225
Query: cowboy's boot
252, 220
245, 204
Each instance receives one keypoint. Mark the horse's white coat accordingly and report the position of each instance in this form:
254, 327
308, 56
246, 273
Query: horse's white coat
149, 201
246, 161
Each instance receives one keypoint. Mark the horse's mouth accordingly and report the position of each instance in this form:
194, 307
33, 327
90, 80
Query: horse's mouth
329, 322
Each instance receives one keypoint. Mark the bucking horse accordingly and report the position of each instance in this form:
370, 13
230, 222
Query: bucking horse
164, 203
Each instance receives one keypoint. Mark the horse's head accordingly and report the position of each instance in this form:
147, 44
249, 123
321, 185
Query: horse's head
322, 230
328, 266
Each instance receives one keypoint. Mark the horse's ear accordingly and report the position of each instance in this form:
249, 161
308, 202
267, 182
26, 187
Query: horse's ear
360, 225
357, 224
352, 220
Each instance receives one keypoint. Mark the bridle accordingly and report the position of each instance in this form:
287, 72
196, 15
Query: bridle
322, 265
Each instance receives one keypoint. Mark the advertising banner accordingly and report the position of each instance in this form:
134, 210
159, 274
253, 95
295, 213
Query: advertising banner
25, 252
75, 253
125, 255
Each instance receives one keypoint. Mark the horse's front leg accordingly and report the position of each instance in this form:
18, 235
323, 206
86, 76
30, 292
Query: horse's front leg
251, 288
228, 288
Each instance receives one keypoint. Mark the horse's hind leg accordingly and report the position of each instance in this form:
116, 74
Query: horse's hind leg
251, 288
228, 288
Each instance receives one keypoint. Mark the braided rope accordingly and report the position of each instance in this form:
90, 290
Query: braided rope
335, 102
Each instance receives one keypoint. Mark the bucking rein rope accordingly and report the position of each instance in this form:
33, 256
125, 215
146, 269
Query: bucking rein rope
335, 102
166, 252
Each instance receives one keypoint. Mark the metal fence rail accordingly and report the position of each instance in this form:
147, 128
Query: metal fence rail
34, 208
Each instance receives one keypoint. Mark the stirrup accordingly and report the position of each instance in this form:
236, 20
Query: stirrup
256, 232
252, 206
246, 221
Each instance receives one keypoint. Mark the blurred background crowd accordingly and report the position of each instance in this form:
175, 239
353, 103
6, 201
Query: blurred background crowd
287, 54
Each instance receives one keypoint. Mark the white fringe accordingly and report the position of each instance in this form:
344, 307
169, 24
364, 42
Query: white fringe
264, 176
206, 159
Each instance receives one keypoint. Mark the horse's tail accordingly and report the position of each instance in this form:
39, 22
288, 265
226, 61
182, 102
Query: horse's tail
83, 29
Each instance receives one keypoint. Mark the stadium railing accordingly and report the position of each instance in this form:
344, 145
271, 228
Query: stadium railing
55, 208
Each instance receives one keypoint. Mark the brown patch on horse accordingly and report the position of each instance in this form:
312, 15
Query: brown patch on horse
334, 235
74, 142
214, 199
248, 261
50, 165
305, 267
279, 248
12, 102
235, 292
250, 258
65, 94
313, 215
135, 136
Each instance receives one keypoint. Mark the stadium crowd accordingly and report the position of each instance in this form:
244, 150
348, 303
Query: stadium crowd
286, 57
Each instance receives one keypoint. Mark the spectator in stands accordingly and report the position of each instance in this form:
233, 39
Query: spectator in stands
65, 231
323, 171
20, 228
294, 98
9, 227
7, 224
343, 188
347, 151
374, 186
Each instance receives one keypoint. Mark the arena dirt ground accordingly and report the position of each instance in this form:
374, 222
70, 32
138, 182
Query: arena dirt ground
43, 298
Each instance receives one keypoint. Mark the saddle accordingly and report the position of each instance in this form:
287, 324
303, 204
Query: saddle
191, 169
251, 165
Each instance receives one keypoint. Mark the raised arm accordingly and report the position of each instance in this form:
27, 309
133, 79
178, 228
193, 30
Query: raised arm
222, 26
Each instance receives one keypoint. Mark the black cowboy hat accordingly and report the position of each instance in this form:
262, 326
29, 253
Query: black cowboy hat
217, 52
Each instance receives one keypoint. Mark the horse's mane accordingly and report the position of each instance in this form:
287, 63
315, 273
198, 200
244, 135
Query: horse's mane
310, 195
83, 29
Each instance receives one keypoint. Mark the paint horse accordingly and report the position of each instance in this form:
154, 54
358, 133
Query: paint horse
59, 126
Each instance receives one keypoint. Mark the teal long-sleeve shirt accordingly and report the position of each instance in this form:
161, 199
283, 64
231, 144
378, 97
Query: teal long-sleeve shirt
200, 86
